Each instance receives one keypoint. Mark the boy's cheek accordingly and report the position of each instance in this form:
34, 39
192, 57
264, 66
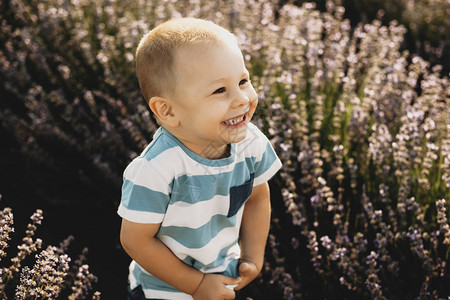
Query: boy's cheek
254, 95
253, 106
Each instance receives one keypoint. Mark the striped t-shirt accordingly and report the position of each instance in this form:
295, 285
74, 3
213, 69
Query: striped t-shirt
199, 202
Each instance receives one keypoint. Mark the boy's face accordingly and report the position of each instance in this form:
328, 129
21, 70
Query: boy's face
214, 99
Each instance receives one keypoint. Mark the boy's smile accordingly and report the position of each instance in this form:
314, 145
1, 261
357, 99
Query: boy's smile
238, 121
213, 98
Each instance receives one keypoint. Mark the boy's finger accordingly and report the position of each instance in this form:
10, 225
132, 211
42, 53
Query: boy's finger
231, 280
230, 295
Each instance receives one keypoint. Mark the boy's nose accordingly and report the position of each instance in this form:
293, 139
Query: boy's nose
240, 99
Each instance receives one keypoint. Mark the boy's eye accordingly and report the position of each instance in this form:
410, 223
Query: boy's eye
219, 91
243, 81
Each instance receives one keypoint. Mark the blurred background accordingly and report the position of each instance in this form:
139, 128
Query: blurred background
72, 118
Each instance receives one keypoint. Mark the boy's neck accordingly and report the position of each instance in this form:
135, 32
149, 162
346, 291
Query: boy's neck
211, 152
208, 151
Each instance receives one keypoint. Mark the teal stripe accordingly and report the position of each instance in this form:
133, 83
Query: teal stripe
266, 161
159, 144
199, 237
197, 188
231, 269
143, 199
151, 282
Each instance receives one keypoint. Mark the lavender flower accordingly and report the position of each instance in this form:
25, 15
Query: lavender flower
83, 283
46, 277
28, 246
6, 227
443, 221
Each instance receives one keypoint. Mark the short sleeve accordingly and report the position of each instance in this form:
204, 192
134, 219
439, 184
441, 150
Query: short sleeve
267, 162
145, 193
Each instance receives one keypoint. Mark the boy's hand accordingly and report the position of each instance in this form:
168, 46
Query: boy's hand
213, 287
247, 272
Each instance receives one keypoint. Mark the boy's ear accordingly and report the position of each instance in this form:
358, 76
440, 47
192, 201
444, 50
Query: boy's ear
162, 109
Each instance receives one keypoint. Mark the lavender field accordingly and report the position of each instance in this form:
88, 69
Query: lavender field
358, 118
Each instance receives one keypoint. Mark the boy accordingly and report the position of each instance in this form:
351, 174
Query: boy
195, 204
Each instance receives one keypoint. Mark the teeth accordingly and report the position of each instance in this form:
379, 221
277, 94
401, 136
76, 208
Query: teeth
234, 121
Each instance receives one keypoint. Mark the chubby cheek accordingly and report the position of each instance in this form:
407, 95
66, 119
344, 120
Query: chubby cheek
253, 104
253, 96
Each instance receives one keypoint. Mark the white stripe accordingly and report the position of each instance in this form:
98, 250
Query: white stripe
148, 174
276, 165
156, 294
259, 155
139, 216
254, 145
197, 214
131, 278
208, 253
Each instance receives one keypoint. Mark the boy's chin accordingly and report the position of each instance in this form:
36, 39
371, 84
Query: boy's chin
239, 139
234, 136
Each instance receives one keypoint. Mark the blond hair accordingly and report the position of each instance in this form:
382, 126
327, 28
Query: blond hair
157, 51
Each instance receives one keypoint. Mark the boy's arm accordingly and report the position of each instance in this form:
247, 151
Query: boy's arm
140, 243
253, 234
150, 253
